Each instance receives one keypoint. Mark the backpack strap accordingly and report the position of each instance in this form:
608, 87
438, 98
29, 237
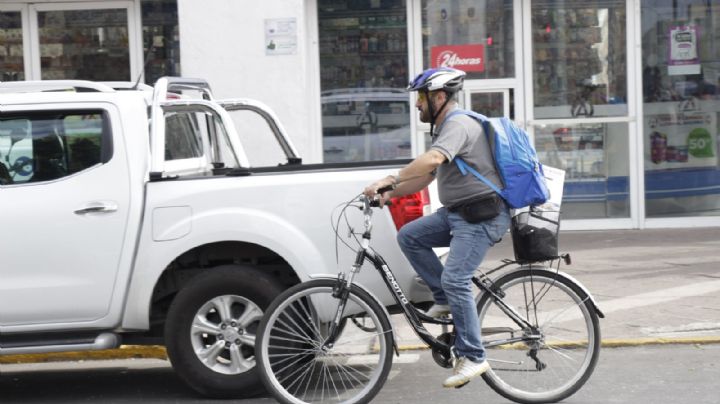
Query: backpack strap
479, 117
462, 165
465, 168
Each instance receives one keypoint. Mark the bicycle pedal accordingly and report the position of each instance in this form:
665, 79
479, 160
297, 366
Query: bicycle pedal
462, 385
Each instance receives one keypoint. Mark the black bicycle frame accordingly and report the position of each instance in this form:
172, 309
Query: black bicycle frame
414, 317
408, 309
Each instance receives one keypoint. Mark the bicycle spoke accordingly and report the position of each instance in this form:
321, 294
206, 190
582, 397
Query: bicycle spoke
309, 320
310, 317
303, 368
547, 364
577, 304
289, 365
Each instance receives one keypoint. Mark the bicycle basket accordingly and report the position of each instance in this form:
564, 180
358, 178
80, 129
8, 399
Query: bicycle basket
535, 235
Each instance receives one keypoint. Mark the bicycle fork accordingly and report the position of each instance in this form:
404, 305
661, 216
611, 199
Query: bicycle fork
341, 291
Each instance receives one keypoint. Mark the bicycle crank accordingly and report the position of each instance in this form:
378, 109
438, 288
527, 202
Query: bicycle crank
441, 357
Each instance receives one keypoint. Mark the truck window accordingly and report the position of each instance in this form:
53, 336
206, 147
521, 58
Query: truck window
222, 151
196, 132
182, 136
258, 139
48, 145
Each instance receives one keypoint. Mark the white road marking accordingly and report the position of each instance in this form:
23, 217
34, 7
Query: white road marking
371, 359
659, 296
570, 313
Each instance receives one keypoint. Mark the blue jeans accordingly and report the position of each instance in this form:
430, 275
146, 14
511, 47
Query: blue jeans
452, 285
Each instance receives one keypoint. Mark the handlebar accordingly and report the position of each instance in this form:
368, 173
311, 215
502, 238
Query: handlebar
375, 203
382, 190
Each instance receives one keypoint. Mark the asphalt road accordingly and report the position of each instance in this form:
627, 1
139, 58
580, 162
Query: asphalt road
646, 374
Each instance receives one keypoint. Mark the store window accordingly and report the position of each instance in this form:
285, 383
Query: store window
579, 58
681, 92
476, 36
161, 40
93, 44
84, 44
595, 159
492, 104
363, 75
12, 64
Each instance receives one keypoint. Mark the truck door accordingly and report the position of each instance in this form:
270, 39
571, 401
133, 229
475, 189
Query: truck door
64, 196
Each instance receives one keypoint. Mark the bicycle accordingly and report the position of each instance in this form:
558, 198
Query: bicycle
330, 340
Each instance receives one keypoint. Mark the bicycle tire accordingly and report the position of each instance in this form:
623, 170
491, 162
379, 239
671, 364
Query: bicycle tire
289, 354
568, 350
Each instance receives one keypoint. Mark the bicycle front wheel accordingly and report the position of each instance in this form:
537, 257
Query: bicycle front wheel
551, 360
295, 360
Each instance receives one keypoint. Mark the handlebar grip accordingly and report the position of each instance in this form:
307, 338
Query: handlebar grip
382, 190
375, 203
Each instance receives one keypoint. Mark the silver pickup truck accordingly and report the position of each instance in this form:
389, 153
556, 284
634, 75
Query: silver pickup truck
142, 215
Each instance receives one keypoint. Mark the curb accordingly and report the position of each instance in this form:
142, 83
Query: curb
124, 352
158, 352
630, 342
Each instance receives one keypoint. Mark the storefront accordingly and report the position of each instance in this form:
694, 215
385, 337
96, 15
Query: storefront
92, 40
621, 94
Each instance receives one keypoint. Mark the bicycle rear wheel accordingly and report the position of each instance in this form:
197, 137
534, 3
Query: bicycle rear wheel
295, 365
557, 355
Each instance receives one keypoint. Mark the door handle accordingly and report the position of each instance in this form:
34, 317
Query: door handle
97, 207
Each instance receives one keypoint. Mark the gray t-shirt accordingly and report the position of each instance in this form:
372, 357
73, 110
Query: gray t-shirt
463, 136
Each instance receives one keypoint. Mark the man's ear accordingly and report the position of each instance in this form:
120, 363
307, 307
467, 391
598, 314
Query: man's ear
439, 97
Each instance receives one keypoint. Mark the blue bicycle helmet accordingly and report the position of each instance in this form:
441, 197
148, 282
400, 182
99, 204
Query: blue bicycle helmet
446, 79
439, 78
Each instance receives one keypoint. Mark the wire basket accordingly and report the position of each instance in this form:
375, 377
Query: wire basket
535, 235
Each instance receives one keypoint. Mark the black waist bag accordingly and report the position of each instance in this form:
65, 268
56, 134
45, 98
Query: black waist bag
478, 210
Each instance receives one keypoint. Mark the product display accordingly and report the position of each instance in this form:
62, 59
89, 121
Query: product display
579, 150
362, 47
565, 56
11, 47
363, 73
161, 35
84, 44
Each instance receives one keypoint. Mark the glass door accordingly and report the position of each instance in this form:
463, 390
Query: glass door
481, 37
491, 103
13, 43
363, 49
579, 106
88, 41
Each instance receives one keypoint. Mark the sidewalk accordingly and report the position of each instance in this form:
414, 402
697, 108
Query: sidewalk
654, 287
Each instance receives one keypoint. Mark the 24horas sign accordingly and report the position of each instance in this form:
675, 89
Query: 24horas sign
470, 58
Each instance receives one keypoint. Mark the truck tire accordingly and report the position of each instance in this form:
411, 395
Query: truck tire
211, 326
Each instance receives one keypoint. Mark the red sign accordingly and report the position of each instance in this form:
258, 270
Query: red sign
470, 58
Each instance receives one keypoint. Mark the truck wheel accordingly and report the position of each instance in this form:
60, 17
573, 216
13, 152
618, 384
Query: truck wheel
211, 326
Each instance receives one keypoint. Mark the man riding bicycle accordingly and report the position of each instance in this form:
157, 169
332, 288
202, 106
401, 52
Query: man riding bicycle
473, 217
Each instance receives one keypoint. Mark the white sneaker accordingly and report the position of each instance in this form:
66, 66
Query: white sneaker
465, 370
438, 310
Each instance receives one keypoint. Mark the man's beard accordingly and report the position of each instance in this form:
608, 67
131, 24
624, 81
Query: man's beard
425, 115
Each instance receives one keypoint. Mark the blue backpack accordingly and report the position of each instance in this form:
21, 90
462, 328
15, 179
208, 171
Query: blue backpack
515, 160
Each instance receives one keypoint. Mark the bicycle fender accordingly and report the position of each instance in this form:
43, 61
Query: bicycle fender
570, 279
372, 295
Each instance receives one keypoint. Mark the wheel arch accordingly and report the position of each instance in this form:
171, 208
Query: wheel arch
159, 275
203, 258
